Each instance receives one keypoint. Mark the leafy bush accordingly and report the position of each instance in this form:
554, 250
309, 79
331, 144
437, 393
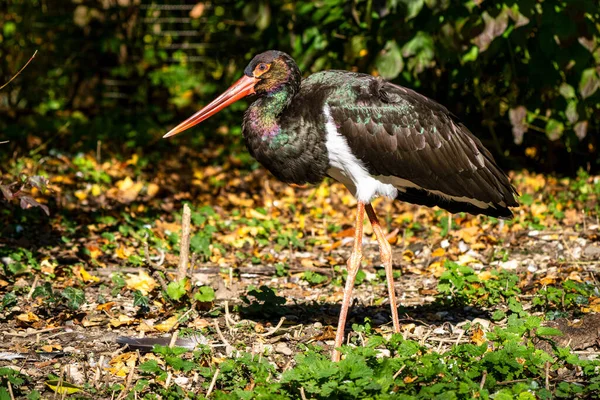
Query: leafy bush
523, 73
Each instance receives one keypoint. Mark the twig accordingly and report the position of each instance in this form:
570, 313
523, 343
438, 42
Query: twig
6, 141
21, 70
302, 394
227, 316
547, 375
98, 370
35, 281
398, 372
184, 252
173, 339
227, 344
12, 396
25, 334
483, 378
212, 383
274, 330
512, 381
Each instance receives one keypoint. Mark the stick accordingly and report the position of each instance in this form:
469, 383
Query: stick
21, 70
212, 383
274, 330
184, 252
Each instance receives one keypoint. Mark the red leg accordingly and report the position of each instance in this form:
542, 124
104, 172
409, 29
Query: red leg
385, 251
353, 266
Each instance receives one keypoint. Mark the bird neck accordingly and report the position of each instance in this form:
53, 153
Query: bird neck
262, 117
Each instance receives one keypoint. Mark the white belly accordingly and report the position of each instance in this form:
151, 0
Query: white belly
349, 170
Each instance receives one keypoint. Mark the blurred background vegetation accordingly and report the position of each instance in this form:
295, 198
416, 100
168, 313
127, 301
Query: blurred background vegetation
522, 74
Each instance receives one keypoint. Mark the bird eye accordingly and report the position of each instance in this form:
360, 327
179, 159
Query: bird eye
261, 69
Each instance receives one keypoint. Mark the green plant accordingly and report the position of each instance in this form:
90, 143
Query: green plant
461, 285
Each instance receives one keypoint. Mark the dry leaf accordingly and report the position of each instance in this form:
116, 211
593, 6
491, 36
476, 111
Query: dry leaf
142, 282
478, 336
122, 320
167, 325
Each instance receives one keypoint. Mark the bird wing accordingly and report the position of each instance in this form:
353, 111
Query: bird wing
417, 145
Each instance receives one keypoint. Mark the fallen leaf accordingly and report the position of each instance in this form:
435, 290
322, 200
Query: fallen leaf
142, 282
121, 320
28, 317
168, 324
478, 336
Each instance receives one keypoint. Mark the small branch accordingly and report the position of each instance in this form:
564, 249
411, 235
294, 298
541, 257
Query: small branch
212, 383
184, 252
547, 375
33, 286
483, 378
274, 330
10, 391
21, 70
302, 394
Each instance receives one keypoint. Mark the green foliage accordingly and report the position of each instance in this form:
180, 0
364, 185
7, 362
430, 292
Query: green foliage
176, 290
570, 295
205, 294
508, 366
70, 296
73, 297
314, 278
529, 66
462, 286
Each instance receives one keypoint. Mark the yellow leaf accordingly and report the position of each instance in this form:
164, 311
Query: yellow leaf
538, 209
81, 194
123, 252
142, 282
535, 182
439, 252
122, 364
486, 276
63, 388
96, 190
152, 189
478, 336
87, 277
133, 160
121, 320
95, 251
168, 324
106, 306
124, 184
465, 259
28, 317
548, 280
409, 379
470, 234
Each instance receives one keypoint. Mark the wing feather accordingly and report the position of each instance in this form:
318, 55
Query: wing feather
398, 133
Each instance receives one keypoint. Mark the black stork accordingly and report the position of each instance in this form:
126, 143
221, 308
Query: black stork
376, 138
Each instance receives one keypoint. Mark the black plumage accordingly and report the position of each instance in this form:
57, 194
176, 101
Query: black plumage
394, 131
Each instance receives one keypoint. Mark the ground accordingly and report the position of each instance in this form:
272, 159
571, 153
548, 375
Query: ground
506, 309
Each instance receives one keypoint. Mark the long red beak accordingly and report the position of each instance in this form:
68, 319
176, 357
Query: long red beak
242, 88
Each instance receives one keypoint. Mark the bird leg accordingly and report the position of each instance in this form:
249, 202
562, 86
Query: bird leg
353, 266
385, 251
